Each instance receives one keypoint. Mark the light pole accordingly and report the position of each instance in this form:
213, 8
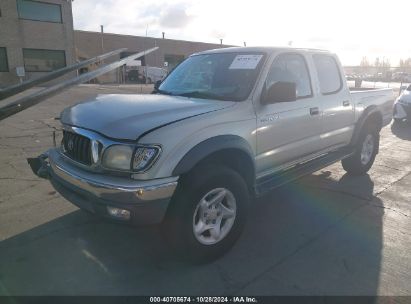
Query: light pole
102, 38
102, 42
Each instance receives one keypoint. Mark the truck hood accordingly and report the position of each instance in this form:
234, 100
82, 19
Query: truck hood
130, 116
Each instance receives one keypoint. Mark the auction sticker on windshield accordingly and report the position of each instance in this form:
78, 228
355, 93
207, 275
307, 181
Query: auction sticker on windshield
245, 62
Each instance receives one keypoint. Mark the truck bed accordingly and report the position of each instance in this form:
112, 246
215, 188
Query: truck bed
382, 98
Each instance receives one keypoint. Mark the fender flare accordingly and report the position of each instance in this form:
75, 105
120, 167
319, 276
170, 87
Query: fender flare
368, 112
210, 146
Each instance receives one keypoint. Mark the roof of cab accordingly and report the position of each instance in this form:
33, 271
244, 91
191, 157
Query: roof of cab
263, 49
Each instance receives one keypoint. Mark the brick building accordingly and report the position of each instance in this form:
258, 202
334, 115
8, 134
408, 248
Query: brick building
38, 37
35, 35
171, 52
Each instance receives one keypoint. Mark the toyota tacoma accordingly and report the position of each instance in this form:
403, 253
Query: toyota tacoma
224, 127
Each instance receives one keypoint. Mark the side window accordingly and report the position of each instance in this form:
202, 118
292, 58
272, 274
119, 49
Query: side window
291, 68
329, 74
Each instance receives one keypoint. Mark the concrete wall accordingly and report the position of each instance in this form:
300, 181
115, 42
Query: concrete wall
88, 44
16, 34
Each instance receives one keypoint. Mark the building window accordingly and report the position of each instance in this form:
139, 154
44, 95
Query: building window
39, 11
4, 66
36, 60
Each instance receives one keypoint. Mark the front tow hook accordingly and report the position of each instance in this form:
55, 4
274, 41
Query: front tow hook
39, 165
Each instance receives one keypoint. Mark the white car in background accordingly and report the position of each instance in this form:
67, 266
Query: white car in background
153, 74
402, 107
145, 74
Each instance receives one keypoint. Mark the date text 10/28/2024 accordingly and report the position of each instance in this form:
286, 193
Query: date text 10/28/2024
203, 300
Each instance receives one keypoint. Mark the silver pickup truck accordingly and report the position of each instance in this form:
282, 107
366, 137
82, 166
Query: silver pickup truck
225, 126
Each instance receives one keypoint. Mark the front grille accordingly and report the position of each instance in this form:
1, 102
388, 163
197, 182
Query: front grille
77, 147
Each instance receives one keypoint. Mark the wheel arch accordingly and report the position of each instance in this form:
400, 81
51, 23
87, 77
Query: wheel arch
229, 150
371, 116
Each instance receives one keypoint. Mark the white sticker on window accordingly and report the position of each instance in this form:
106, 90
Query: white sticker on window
245, 62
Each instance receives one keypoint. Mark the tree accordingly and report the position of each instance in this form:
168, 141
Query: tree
386, 63
405, 63
364, 62
377, 62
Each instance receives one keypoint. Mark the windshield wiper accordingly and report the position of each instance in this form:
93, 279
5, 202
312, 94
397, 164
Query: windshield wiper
200, 94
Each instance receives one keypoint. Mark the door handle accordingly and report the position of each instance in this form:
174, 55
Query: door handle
346, 103
314, 111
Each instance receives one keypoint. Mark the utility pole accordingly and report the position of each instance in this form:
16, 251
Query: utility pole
102, 38
145, 58
102, 41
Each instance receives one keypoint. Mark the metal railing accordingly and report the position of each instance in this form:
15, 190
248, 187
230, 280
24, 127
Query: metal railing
13, 90
37, 97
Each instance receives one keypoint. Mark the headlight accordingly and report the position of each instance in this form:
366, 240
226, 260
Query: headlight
129, 158
118, 157
143, 157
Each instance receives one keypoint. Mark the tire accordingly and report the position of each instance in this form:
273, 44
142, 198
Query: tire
190, 209
365, 152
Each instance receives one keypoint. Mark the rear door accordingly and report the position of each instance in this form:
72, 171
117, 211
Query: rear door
288, 131
335, 99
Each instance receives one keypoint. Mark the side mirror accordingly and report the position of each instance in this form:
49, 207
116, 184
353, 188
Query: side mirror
157, 84
280, 92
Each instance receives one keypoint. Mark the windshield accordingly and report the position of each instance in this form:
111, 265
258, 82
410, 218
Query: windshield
222, 76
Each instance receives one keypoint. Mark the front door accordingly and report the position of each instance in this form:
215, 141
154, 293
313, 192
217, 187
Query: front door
288, 131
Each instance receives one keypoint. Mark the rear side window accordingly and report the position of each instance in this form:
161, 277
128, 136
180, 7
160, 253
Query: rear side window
329, 74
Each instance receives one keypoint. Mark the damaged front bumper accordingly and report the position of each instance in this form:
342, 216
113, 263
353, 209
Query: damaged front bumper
139, 202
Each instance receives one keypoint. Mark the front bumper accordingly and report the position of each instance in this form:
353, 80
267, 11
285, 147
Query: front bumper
147, 201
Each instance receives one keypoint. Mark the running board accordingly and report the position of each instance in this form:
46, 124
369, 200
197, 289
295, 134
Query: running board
276, 180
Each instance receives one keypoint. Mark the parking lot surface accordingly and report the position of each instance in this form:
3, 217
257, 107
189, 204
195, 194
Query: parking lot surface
326, 234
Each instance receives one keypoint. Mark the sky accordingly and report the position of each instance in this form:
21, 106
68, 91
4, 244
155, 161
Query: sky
350, 28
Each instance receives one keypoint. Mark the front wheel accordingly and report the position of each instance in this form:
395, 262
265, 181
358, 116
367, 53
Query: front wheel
207, 214
366, 151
